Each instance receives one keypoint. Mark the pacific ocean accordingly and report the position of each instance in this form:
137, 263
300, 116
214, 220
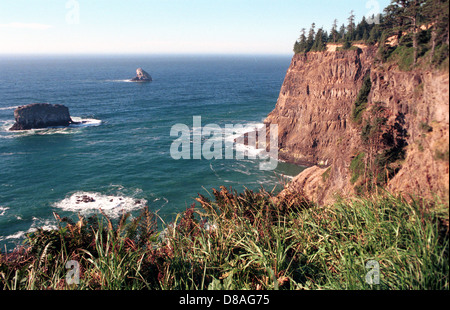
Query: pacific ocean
121, 158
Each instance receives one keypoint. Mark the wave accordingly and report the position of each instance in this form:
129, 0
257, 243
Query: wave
9, 108
120, 81
71, 129
250, 150
3, 210
85, 122
6, 125
88, 202
239, 131
37, 223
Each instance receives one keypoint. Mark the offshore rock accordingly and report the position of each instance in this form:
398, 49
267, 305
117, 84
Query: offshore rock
41, 115
141, 76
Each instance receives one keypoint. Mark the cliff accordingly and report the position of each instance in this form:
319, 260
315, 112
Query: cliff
395, 134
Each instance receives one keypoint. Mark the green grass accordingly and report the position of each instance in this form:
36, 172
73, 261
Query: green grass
245, 241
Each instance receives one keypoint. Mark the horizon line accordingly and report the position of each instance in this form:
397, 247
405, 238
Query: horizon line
142, 54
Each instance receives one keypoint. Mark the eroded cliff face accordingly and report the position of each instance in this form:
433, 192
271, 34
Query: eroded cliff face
313, 108
423, 98
316, 127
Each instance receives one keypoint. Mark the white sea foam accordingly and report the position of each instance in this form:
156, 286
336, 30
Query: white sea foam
119, 81
88, 202
250, 150
3, 210
9, 108
47, 224
85, 122
6, 125
71, 129
17, 235
240, 131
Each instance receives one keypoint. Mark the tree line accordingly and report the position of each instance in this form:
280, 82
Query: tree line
422, 25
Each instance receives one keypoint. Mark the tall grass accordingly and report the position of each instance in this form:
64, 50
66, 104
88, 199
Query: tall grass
250, 240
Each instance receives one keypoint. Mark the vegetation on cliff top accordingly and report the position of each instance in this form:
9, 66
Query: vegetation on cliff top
245, 241
405, 32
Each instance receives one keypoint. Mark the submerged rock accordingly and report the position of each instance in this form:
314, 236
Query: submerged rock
141, 76
85, 199
41, 115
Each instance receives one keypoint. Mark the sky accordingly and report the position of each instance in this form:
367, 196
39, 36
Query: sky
167, 26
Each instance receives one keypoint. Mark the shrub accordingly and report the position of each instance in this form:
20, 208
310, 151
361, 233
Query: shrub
357, 167
361, 100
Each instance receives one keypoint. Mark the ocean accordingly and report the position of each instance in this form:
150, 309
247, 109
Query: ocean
120, 157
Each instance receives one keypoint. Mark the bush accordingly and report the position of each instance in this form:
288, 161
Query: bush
440, 56
404, 57
357, 167
361, 100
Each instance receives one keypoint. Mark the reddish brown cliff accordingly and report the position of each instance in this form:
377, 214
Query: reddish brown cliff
316, 126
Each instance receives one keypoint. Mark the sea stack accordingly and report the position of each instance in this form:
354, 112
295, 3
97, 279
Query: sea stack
41, 115
141, 76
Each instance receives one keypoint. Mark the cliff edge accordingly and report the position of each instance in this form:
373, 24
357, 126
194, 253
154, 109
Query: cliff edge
360, 124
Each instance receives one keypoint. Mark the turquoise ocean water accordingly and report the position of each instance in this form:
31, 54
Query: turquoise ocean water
121, 157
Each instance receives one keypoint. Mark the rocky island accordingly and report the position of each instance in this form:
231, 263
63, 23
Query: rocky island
141, 76
41, 115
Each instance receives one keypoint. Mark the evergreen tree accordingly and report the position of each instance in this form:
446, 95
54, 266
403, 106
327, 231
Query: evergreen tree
300, 44
407, 14
437, 15
334, 34
361, 28
347, 44
374, 35
342, 33
319, 41
311, 37
351, 26
365, 36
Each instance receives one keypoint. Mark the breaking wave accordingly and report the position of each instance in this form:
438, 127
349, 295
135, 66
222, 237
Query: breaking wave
71, 129
88, 202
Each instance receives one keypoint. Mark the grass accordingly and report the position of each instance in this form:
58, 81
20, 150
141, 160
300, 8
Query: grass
250, 240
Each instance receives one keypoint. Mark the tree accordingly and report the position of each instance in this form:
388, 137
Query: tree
408, 12
342, 33
311, 37
351, 26
334, 33
437, 15
361, 28
375, 34
300, 44
319, 41
365, 36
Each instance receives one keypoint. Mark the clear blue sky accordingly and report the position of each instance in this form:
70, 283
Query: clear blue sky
166, 26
